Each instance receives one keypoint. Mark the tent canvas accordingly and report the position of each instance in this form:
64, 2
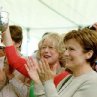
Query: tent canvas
39, 16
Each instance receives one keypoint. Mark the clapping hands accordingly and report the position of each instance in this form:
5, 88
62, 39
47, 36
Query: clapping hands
39, 71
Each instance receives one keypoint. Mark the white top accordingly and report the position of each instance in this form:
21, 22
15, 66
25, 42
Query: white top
82, 86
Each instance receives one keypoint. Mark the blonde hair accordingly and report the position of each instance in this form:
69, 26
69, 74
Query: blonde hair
56, 39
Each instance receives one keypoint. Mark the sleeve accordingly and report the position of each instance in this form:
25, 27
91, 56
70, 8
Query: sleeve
39, 90
16, 61
50, 89
19, 87
47, 89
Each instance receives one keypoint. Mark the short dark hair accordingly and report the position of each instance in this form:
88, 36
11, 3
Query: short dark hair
87, 39
16, 33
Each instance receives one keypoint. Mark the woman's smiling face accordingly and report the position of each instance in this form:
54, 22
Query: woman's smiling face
74, 54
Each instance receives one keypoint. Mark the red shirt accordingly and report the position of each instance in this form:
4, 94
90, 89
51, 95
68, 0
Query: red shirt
59, 77
15, 60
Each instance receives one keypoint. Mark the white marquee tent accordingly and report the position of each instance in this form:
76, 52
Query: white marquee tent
39, 16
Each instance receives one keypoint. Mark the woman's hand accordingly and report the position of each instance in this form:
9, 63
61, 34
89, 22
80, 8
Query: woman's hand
44, 71
32, 67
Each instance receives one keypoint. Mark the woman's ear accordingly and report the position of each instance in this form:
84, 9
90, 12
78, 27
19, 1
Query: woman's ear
89, 54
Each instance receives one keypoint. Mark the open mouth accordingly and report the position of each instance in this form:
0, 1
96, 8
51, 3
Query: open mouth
47, 56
